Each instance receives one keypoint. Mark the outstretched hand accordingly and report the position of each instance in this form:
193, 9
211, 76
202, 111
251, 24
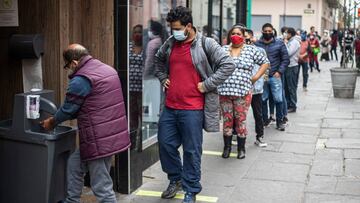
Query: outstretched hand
48, 124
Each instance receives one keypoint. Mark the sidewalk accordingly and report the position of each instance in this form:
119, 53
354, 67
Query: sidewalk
317, 158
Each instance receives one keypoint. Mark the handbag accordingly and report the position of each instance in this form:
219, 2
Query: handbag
316, 50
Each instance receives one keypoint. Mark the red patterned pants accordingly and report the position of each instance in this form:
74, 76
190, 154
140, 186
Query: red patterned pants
234, 110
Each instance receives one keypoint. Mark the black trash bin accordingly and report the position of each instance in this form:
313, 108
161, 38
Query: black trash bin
32, 161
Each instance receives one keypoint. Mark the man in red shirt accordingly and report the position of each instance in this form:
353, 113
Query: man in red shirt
190, 68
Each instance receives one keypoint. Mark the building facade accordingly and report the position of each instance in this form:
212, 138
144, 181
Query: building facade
300, 14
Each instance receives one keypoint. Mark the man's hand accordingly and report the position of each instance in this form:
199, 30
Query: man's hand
48, 124
167, 83
200, 87
277, 75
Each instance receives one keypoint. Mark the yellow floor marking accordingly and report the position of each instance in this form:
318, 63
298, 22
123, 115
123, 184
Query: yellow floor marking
214, 153
149, 193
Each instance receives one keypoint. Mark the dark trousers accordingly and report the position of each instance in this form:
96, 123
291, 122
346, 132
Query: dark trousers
333, 49
305, 72
291, 74
176, 128
256, 105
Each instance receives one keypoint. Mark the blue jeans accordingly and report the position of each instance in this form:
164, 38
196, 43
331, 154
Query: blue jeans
181, 127
275, 86
305, 72
285, 106
291, 74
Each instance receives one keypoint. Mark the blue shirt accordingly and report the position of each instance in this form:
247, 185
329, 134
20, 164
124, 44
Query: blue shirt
79, 87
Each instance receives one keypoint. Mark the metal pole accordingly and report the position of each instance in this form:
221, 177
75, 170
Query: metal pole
237, 20
355, 16
221, 21
343, 54
284, 16
209, 28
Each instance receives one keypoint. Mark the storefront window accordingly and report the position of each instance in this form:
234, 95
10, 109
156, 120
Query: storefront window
148, 30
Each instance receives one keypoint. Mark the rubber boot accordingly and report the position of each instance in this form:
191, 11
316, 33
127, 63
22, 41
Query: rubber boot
241, 147
227, 147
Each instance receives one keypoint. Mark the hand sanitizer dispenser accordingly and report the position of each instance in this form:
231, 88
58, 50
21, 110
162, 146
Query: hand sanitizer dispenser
32, 106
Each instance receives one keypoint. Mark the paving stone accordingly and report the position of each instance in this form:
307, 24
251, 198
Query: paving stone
283, 157
329, 154
278, 171
351, 133
327, 167
322, 184
330, 133
352, 167
342, 143
302, 130
348, 186
273, 146
300, 148
337, 114
356, 115
267, 191
341, 123
327, 198
352, 154
294, 138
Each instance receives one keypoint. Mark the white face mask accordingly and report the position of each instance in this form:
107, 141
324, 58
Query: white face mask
151, 34
180, 35
285, 34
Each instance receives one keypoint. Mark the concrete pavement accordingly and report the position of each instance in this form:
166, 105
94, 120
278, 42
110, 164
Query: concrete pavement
316, 159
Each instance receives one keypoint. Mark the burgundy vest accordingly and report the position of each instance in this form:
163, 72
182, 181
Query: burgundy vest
102, 119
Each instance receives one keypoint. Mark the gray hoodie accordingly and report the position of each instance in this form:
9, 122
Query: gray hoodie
293, 47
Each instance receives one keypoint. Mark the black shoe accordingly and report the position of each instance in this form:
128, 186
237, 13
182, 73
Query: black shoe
241, 147
291, 110
227, 147
189, 197
272, 120
318, 70
280, 125
258, 142
267, 123
285, 120
171, 190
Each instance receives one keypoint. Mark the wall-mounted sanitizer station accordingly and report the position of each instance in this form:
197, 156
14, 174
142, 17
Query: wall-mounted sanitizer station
33, 161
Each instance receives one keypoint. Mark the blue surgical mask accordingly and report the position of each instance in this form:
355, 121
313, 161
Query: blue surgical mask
180, 35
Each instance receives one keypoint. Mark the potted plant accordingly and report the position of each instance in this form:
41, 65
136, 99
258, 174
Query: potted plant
344, 78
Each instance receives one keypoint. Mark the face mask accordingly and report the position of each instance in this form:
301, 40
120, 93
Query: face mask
137, 38
268, 36
237, 40
151, 34
285, 35
248, 41
180, 35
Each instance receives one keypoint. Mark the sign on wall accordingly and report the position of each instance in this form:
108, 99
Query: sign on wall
309, 11
9, 13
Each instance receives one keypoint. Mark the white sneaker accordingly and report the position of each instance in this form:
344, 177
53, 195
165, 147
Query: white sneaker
260, 143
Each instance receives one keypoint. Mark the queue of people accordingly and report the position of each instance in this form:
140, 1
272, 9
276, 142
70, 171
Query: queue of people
198, 77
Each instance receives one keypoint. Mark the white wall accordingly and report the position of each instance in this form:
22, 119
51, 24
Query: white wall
275, 8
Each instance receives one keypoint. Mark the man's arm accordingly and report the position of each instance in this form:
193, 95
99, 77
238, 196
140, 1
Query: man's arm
284, 59
79, 87
221, 61
160, 63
